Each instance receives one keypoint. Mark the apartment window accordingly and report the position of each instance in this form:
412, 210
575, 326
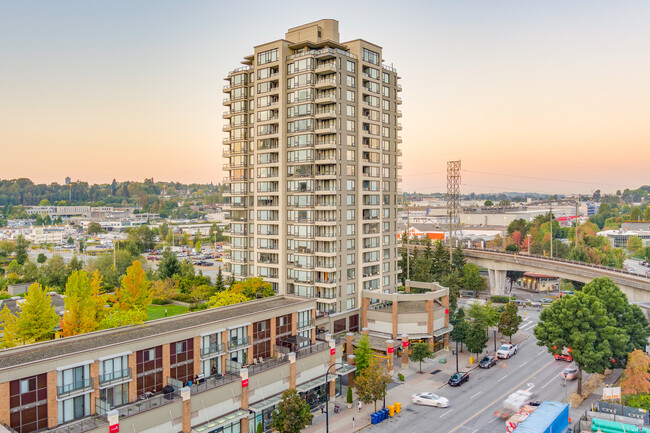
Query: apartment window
350, 95
350, 81
385, 105
351, 273
149, 370
300, 110
351, 140
302, 140
351, 125
350, 199
350, 185
350, 214
385, 77
351, 303
350, 259
350, 66
301, 65
350, 288
262, 339
301, 80
369, 56
300, 95
28, 403
267, 56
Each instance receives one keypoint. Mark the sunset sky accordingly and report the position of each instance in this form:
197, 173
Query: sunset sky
549, 96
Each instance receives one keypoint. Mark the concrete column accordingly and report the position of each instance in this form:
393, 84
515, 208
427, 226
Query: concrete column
395, 306
445, 305
294, 323
52, 404
94, 375
352, 361
250, 341
243, 373
405, 350
349, 337
273, 324
365, 331
113, 418
165, 362
492, 282
428, 306
292, 370
4, 403
187, 410
407, 286
332, 344
313, 330
365, 304
390, 352
500, 281
133, 386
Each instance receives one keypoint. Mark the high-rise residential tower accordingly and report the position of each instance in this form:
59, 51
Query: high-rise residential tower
312, 167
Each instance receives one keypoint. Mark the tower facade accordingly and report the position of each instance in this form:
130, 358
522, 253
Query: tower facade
312, 167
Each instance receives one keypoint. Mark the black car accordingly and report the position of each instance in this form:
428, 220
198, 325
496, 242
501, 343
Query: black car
457, 379
488, 361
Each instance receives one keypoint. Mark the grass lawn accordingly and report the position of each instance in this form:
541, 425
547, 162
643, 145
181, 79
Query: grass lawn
158, 311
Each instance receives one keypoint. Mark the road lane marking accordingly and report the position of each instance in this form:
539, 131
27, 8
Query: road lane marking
510, 391
493, 419
502, 378
547, 384
524, 364
475, 395
541, 351
445, 413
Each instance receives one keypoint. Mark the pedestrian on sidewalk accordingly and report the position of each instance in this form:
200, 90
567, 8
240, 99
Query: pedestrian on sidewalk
359, 405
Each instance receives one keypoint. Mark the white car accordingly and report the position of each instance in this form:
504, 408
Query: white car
430, 399
506, 351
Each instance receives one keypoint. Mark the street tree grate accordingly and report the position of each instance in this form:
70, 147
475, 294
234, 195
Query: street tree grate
436, 371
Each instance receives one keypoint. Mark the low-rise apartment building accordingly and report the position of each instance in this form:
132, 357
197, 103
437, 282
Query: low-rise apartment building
215, 370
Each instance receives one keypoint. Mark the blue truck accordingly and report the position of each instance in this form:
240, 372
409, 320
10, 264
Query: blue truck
549, 417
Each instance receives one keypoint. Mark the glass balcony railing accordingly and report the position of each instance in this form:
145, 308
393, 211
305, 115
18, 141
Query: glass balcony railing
115, 376
236, 343
71, 388
213, 348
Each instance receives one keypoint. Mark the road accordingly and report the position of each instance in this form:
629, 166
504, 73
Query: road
473, 404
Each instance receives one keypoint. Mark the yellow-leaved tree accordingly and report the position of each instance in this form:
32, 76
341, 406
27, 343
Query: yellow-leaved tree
84, 304
8, 324
37, 317
226, 297
134, 295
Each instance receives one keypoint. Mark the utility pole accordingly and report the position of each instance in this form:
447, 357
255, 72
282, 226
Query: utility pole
453, 202
408, 250
550, 220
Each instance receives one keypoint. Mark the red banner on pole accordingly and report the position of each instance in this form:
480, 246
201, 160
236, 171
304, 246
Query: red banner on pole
405, 343
391, 350
244, 383
115, 428
333, 351
446, 310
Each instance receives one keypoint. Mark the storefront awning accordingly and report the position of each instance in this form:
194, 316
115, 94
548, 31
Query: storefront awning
441, 331
220, 422
269, 402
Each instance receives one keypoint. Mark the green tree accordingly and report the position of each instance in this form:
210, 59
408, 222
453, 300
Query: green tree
580, 322
636, 214
458, 259
646, 214
9, 326
253, 288
636, 377
509, 320
44, 202
21, 249
292, 414
363, 354
75, 264
116, 318
422, 269
472, 278
454, 282
488, 203
134, 294
372, 382
219, 285
83, 304
260, 429
476, 338
227, 297
634, 243
627, 317
42, 258
163, 229
55, 272
37, 317
420, 352
94, 228
169, 265
440, 265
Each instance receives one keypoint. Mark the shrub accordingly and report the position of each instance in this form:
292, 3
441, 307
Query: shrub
199, 307
158, 301
641, 401
349, 396
500, 299
400, 376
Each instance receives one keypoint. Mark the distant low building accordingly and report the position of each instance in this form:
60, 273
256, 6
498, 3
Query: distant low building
539, 282
619, 238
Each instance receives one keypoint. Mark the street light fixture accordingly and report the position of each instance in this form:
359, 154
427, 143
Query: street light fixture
456, 355
327, 395
495, 340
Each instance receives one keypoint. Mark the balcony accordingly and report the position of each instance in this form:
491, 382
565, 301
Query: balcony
325, 99
74, 388
305, 324
326, 114
234, 344
326, 282
114, 377
326, 68
326, 144
213, 349
326, 174
326, 83
325, 267
325, 159
399, 113
399, 100
326, 206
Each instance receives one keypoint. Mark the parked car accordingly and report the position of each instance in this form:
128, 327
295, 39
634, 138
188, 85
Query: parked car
547, 300
488, 361
457, 379
506, 351
535, 304
429, 399
570, 373
563, 357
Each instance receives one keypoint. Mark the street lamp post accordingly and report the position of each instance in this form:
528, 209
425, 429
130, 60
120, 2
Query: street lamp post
495, 340
456, 356
528, 243
327, 396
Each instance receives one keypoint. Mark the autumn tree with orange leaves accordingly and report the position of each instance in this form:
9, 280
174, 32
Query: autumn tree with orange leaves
636, 378
84, 304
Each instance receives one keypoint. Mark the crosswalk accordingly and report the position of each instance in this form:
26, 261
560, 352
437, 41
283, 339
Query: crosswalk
527, 324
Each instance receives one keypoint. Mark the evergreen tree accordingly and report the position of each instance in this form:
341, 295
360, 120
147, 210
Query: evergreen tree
292, 414
21, 249
440, 266
363, 354
460, 327
37, 317
458, 259
169, 265
219, 286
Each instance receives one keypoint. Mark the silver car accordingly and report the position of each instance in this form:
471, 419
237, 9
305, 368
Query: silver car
430, 399
569, 373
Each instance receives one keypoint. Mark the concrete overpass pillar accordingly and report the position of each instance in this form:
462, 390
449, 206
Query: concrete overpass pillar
496, 281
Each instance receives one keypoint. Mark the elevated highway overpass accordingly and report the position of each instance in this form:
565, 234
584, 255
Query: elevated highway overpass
635, 286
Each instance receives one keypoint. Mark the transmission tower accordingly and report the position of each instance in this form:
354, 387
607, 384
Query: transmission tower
453, 202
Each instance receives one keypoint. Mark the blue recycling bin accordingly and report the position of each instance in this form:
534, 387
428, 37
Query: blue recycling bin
374, 418
384, 413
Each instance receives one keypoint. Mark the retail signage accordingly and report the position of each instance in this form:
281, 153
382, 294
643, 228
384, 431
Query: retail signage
115, 428
405, 343
391, 350
333, 351
244, 383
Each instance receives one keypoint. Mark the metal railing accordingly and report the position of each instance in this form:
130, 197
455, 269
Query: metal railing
115, 376
65, 390
212, 382
78, 426
213, 348
311, 349
235, 343
305, 324
266, 365
144, 404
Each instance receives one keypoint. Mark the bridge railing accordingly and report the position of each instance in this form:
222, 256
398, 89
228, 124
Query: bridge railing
560, 260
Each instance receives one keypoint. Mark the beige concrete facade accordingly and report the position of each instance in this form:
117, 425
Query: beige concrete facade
311, 157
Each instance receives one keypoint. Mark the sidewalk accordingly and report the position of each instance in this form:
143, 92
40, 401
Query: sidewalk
435, 374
